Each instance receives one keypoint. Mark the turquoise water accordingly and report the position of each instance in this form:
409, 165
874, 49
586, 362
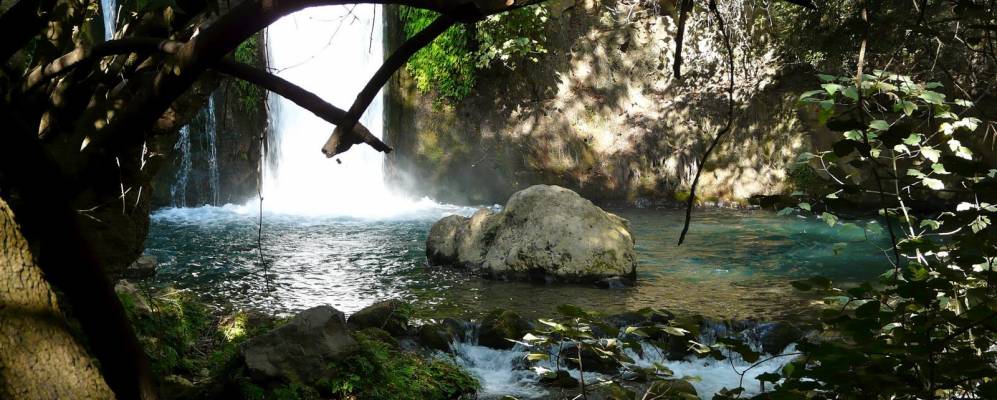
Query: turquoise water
734, 264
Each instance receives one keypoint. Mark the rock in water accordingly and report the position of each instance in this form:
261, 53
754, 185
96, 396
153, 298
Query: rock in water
300, 350
543, 233
389, 315
499, 327
143, 267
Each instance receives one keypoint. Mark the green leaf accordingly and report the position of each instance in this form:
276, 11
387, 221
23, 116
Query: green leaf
930, 153
932, 183
964, 102
538, 357
969, 123
879, 125
674, 331
939, 168
980, 223
932, 97
913, 139
854, 135
805, 206
851, 93
810, 93
934, 225
831, 88
829, 218
827, 78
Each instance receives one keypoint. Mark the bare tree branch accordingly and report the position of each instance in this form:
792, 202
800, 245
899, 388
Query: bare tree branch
338, 142
84, 56
727, 127
149, 97
684, 10
299, 96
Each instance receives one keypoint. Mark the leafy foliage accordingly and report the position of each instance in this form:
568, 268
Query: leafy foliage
249, 95
581, 337
929, 328
448, 66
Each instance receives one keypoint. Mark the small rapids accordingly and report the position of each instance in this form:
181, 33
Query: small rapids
507, 373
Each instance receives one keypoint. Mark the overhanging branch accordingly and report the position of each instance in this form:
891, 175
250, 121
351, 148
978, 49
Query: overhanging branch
338, 142
84, 57
149, 98
303, 98
20, 23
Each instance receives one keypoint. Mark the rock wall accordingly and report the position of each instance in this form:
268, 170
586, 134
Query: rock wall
601, 113
239, 123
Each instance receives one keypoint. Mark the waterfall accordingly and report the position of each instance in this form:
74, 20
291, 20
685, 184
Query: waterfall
210, 133
196, 180
178, 191
332, 52
109, 9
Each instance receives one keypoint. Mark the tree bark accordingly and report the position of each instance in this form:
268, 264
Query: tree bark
39, 356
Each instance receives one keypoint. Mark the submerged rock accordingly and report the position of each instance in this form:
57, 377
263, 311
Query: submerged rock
498, 326
438, 336
775, 336
559, 378
389, 315
544, 233
591, 360
301, 349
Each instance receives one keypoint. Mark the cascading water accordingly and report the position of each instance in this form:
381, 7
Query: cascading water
505, 372
332, 52
109, 9
178, 191
196, 181
210, 133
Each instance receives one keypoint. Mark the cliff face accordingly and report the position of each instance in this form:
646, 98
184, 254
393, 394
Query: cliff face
602, 114
216, 158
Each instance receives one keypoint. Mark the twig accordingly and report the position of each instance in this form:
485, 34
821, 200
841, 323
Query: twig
730, 121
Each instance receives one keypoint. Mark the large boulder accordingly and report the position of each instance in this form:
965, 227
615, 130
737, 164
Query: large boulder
301, 349
389, 315
544, 232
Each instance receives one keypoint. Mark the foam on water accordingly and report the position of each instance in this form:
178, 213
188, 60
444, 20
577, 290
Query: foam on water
505, 372
499, 372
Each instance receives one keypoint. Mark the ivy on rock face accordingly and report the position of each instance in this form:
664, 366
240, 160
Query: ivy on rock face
448, 66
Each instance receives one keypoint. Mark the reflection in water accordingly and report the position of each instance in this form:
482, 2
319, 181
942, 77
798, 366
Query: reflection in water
734, 264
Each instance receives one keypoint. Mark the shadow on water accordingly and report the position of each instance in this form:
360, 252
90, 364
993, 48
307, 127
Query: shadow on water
735, 264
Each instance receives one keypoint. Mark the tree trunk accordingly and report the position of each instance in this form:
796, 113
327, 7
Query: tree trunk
40, 358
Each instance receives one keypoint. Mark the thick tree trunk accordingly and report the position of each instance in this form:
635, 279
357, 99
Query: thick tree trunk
39, 356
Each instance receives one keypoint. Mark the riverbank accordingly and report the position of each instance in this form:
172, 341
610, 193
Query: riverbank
199, 350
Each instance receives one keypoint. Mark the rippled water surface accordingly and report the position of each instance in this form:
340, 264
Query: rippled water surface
734, 264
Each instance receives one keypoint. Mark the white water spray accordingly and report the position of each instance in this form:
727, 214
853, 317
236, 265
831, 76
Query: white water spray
109, 9
332, 52
211, 134
178, 191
